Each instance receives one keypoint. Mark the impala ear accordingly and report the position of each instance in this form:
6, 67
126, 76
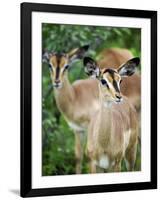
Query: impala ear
78, 53
129, 68
91, 67
46, 56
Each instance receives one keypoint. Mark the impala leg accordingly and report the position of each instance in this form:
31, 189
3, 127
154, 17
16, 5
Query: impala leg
130, 157
117, 163
91, 160
139, 132
93, 168
79, 149
117, 166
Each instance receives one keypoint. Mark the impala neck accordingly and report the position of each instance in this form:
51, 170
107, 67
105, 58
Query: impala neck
104, 106
105, 121
65, 95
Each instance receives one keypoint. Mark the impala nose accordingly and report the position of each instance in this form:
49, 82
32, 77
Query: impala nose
57, 84
57, 81
119, 97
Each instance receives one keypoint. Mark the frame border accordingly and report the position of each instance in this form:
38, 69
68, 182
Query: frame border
26, 103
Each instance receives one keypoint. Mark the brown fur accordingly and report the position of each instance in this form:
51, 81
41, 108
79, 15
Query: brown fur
77, 101
113, 57
58, 61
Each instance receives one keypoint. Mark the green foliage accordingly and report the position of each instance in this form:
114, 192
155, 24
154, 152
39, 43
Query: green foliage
66, 37
57, 137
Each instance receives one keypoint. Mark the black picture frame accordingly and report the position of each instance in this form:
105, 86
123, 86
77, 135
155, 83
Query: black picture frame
26, 104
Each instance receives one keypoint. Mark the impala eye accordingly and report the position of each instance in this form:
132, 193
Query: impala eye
120, 81
103, 81
66, 66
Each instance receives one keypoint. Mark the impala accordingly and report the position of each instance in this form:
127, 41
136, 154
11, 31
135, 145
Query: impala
72, 100
131, 86
113, 130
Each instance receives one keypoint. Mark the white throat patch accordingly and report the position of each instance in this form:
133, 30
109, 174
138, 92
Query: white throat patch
107, 104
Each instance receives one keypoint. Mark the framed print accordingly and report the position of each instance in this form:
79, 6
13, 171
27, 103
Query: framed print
88, 99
